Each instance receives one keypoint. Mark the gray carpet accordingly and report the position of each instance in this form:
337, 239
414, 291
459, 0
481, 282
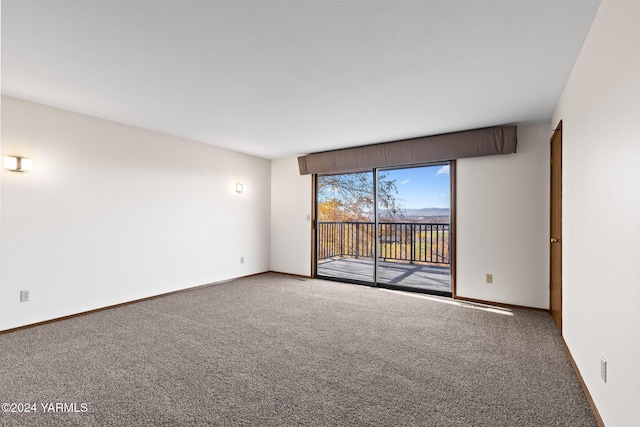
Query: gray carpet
274, 350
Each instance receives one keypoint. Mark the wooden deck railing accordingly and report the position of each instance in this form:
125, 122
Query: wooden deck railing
403, 241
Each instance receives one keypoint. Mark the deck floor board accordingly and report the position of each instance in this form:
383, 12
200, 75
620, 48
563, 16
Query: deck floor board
421, 276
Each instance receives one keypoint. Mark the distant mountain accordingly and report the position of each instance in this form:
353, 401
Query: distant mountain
425, 212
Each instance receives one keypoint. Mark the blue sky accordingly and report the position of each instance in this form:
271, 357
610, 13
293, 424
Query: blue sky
422, 187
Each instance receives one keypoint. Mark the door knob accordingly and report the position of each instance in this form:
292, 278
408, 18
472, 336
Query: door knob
554, 240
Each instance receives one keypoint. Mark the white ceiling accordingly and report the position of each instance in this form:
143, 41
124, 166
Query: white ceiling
281, 78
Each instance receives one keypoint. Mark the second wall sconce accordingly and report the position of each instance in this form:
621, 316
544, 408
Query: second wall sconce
239, 188
18, 164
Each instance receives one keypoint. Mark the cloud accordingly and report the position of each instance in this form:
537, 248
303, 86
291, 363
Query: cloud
443, 170
406, 181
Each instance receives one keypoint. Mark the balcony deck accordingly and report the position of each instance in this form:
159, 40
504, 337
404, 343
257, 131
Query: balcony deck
411, 275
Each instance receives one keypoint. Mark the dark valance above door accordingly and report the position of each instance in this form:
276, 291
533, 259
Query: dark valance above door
451, 146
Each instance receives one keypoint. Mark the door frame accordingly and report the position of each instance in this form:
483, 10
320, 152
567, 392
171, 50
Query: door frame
452, 232
555, 227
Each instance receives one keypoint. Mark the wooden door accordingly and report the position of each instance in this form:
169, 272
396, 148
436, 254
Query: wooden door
556, 228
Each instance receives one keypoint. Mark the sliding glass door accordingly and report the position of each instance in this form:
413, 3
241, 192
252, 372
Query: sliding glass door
388, 228
346, 227
414, 228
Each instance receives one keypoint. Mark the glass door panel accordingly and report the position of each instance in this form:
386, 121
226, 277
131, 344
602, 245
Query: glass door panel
346, 235
414, 228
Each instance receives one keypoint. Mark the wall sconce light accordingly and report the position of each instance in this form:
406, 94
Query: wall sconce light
239, 188
18, 164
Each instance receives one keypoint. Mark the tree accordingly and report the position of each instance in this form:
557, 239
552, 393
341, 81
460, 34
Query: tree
349, 197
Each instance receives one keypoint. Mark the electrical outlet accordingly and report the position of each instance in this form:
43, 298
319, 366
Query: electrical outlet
489, 278
241, 260
24, 296
603, 369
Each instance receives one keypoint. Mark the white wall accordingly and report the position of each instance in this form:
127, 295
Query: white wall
503, 223
113, 213
600, 109
291, 198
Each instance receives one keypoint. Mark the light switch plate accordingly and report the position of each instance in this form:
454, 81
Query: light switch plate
24, 296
